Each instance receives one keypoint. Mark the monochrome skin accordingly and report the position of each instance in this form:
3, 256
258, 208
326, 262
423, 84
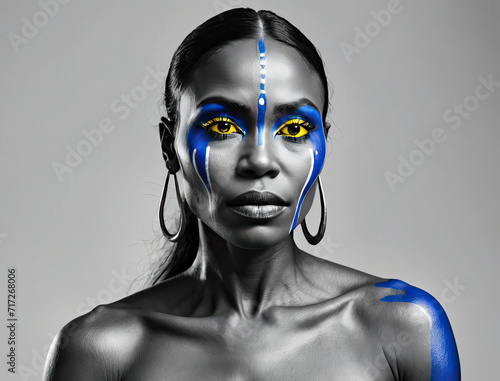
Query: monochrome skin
252, 305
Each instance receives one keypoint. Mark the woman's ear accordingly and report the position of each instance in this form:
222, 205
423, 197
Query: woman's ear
166, 129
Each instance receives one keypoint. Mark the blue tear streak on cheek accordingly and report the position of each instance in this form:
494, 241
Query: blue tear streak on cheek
444, 356
198, 140
318, 141
317, 138
261, 107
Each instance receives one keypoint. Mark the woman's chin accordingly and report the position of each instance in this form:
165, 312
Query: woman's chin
257, 237
250, 232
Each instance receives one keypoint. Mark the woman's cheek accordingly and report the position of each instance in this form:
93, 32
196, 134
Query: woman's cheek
198, 149
195, 191
221, 166
312, 163
207, 179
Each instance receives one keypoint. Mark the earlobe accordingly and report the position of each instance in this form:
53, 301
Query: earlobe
167, 130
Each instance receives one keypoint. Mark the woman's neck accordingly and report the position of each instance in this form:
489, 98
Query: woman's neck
248, 279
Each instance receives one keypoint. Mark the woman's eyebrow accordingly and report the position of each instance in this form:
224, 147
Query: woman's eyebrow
287, 108
228, 103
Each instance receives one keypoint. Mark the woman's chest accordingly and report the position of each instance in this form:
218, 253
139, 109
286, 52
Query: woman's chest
324, 351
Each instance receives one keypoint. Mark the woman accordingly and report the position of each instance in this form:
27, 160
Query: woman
247, 100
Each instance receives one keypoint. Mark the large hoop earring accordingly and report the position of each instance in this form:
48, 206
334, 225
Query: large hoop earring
172, 237
314, 240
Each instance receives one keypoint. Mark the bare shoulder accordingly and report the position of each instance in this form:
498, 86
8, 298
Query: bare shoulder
414, 331
95, 346
410, 325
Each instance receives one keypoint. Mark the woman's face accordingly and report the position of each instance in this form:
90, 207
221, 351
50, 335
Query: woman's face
250, 141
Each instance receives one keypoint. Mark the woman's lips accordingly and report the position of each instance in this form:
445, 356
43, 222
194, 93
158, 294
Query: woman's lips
258, 205
259, 211
258, 198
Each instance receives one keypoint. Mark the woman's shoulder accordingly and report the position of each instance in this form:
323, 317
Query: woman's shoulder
388, 301
373, 291
107, 340
409, 323
405, 306
88, 347
413, 329
367, 294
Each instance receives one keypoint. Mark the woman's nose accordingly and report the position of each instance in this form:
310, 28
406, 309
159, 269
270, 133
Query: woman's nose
257, 160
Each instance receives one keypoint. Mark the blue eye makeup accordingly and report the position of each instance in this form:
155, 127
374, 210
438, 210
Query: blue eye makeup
299, 124
214, 122
221, 127
219, 122
295, 129
305, 124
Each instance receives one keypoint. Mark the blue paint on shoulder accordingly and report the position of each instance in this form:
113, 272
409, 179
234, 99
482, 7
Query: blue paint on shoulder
444, 354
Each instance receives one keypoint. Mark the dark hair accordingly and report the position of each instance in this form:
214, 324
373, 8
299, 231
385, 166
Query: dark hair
197, 47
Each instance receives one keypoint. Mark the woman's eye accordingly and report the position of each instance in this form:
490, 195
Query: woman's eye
222, 125
294, 128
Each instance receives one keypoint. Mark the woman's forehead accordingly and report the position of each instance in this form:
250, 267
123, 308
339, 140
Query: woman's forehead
234, 72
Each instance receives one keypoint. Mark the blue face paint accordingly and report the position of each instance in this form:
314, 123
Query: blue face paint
444, 355
198, 139
318, 150
261, 107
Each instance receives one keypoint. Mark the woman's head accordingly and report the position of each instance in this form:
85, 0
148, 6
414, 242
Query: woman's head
230, 26
247, 98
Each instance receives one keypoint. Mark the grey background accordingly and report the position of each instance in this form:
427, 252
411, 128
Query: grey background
70, 240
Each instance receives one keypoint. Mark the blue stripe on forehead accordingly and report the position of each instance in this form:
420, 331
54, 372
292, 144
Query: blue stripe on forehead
261, 107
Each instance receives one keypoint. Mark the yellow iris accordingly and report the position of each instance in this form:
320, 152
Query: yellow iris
294, 128
222, 125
